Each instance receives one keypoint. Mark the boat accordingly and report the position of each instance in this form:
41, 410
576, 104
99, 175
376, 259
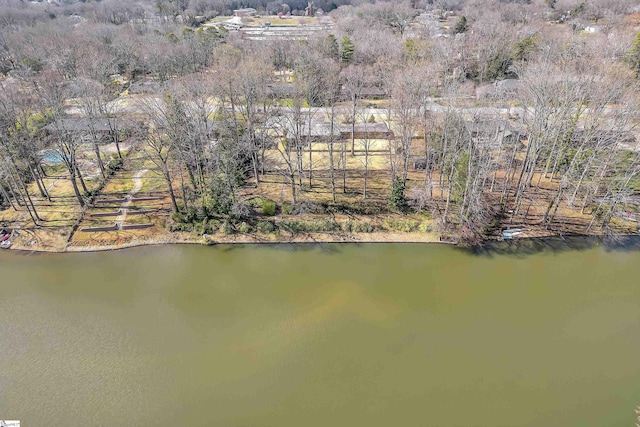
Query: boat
510, 233
4, 235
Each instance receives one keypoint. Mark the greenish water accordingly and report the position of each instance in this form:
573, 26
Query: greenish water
350, 335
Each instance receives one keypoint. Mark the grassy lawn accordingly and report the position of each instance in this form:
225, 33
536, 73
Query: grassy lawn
57, 216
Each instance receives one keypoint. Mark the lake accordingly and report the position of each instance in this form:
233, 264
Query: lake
320, 335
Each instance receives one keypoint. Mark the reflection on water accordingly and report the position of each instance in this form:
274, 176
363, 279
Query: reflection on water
320, 335
524, 247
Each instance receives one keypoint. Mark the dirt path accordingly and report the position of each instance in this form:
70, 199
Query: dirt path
137, 185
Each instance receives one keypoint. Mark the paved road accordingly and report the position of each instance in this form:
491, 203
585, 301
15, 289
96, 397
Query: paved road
141, 105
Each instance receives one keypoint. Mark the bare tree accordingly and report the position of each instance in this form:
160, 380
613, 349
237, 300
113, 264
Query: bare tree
164, 134
356, 78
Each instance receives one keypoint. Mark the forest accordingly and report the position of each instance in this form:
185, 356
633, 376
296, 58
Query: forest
450, 119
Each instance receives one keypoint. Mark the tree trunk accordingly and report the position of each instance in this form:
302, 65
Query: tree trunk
450, 185
344, 167
79, 174
33, 207
294, 195
42, 190
310, 163
299, 164
11, 190
117, 142
167, 177
6, 197
353, 128
96, 150
184, 191
26, 192
332, 171
75, 188
254, 161
366, 170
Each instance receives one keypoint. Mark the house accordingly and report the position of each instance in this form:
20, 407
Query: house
368, 92
500, 89
213, 127
144, 87
86, 129
373, 92
312, 129
234, 23
495, 132
366, 131
280, 90
593, 29
310, 10
246, 12
602, 138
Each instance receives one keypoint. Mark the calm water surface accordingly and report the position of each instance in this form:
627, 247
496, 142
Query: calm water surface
370, 335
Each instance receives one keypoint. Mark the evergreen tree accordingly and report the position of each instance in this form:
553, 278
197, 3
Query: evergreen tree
347, 50
397, 198
633, 55
332, 48
461, 26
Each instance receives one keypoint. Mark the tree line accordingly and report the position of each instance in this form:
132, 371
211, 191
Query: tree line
557, 141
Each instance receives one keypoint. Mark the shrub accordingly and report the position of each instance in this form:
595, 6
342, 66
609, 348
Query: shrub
406, 226
287, 208
244, 228
227, 228
212, 226
424, 227
358, 227
268, 207
181, 227
266, 227
318, 226
363, 227
114, 165
200, 227
323, 225
291, 226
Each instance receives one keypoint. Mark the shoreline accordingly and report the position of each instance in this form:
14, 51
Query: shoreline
307, 238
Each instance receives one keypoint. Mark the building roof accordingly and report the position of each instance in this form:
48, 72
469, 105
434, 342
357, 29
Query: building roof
87, 125
144, 86
314, 128
363, 127
489, 128
281, 89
